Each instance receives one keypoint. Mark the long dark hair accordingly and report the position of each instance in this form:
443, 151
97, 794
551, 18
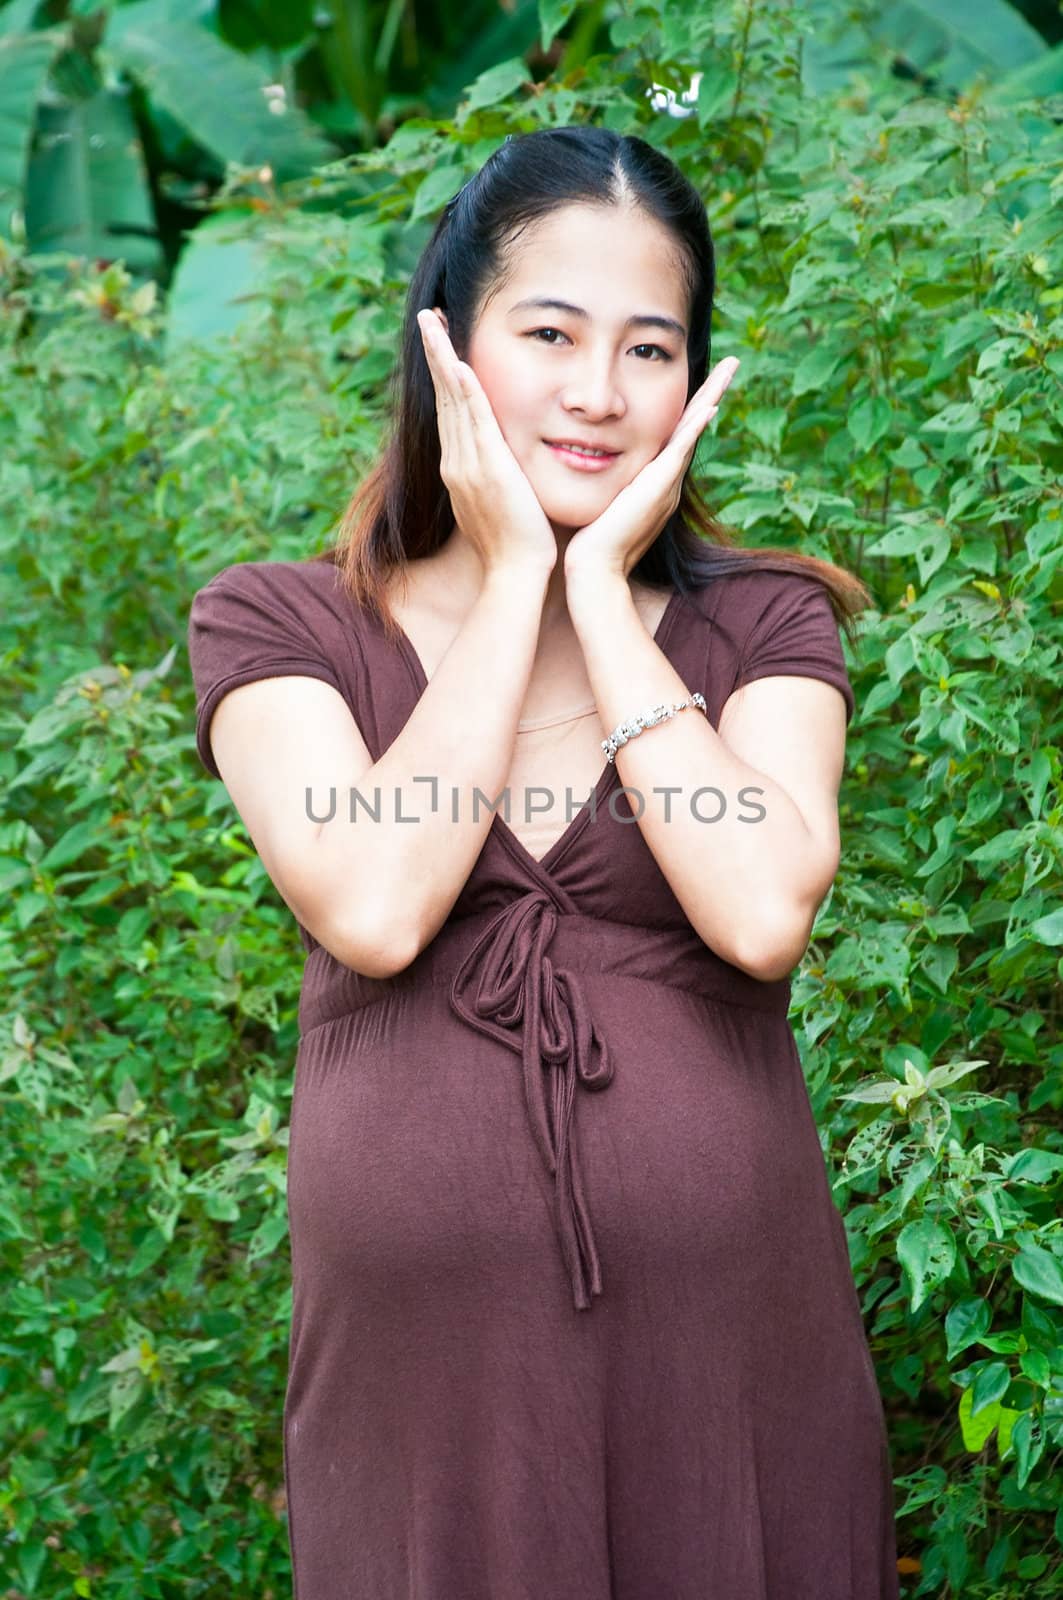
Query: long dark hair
402, 509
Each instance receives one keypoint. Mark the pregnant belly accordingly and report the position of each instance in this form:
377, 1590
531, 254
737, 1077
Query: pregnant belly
413, 1169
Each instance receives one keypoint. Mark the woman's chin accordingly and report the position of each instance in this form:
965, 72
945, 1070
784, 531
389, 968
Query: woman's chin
568, 522
571, 511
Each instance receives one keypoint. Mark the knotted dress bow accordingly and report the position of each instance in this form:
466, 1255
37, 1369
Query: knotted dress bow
507, 982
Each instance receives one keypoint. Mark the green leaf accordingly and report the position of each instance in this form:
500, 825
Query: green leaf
87, 188
221, 277
991, 1385
880, 1093
267, 1236
951, 1072
498, 83
1034, 773
88, 1399
986, 1201
976, 1429
1031, 1165
72, 845
815, 369
953, 42
435, 190
221, 1207
128, 1360
939, 962
553, 14
1039, 1271
1041, 76
959, 419
716, 90
965, 1323
28, 906
126, 1390
31, 1559
151, 1248
1048, 929
17, 16
929, 543
1028, 1441
214, 92
913, 1077
927, 1251
869, 421
1004, 847
1037, 1366
1006, 1420
935, 295
24, 63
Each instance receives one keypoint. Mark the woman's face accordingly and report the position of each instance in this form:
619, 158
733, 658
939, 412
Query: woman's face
598, 369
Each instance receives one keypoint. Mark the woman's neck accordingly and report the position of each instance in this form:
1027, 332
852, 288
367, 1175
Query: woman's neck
456, 575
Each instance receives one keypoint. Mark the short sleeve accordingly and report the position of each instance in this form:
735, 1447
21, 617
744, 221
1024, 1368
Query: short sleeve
796, 635
242, 626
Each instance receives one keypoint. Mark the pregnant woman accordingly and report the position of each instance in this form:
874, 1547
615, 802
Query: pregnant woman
546, 769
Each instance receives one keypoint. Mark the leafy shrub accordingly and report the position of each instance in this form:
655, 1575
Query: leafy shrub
889, 274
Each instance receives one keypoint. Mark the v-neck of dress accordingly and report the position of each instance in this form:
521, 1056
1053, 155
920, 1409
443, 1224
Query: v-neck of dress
541, 866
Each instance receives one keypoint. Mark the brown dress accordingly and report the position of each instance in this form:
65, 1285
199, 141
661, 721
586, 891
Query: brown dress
573, 1314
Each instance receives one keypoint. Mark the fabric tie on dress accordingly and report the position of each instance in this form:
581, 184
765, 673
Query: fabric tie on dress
508, 982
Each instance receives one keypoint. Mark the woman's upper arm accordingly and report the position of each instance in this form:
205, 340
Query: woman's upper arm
793, 730
271, 660
788, 713
273, 740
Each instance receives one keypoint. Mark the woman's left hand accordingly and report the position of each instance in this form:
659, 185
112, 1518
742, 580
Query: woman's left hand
616, 541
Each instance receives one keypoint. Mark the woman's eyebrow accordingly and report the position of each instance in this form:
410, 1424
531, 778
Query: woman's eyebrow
644, 321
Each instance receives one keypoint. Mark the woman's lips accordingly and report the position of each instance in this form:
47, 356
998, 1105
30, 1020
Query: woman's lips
572, 458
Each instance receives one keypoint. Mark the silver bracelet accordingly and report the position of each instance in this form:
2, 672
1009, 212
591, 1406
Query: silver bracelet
646, 719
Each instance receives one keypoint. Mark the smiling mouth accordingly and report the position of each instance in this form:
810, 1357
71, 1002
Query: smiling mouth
580, 450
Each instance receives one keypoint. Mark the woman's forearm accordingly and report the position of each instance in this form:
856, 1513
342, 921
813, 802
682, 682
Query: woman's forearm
745, 880
404, 875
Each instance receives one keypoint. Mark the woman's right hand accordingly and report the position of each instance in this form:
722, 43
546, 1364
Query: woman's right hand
493, 502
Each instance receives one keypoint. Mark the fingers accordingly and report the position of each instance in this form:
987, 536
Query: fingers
712, 391
703, 406
469, 408
444, 379
471, 441
689, 428
719, 380
448, 373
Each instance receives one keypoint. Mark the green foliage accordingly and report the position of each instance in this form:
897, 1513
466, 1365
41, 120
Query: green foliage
117, 117
889, 271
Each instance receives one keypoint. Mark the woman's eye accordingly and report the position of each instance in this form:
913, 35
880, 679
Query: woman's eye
664, 355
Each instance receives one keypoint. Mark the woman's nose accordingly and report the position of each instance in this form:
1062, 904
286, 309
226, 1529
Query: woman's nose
594, 390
